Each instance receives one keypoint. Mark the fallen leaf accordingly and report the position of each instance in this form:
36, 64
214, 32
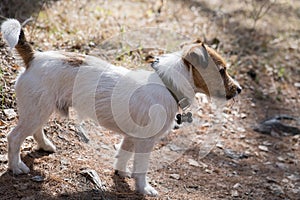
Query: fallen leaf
93, 176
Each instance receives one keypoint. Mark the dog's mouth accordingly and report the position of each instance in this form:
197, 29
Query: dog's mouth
228, 97
233, 94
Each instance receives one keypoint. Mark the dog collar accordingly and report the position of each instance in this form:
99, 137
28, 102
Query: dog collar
182, 101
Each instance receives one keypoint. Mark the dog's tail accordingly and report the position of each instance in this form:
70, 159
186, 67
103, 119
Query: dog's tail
12, 32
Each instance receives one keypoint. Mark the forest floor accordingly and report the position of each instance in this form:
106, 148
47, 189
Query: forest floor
262, 51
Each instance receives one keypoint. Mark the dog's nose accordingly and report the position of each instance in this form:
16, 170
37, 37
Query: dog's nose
239, 90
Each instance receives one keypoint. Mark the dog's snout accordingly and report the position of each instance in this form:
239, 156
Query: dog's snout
239, 90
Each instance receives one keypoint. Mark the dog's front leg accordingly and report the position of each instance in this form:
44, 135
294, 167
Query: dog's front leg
143, 150
43, 142
124, 154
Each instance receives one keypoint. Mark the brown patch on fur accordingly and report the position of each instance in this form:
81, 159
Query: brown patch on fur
218, 60
229, 84
25, 50
198, 80
150, 59
73, 59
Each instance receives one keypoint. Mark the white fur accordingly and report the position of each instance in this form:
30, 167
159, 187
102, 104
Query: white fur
11, 30
170, 66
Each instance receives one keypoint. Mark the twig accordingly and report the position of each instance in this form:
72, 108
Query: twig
34, 24
2, 17
27, 21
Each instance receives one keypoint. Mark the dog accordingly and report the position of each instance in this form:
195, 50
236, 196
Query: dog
141, 105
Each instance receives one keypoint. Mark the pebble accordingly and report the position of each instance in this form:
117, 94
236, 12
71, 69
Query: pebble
234, 155
219, 145
280, 158
3, 158
293, 177
276, 189
10, 113
237, 185
174, 147
263, 148
243, 115
175, 176
281, 165
242, 136
193, 162
284, 180
241, 129
297, 85
271, 179
207, 124
234, 193
296, 191
38, 179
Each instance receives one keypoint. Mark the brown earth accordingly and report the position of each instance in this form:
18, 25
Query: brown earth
262, 54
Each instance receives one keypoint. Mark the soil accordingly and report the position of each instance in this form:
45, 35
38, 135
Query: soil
262, 50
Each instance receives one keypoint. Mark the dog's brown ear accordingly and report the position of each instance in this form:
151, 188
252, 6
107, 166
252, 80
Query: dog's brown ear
197, 56
196, 41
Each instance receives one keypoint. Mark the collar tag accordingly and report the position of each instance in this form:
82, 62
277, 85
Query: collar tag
184, 117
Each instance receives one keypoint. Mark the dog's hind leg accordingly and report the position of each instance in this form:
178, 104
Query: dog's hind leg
143, 150
15, 139
17, 136
43, 142
124, 154
30, 122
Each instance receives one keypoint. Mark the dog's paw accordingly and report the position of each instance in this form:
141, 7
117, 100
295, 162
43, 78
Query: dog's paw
20, 168
123, 174
48, 147
148, 190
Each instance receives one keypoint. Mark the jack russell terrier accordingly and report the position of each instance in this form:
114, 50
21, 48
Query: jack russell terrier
139, 104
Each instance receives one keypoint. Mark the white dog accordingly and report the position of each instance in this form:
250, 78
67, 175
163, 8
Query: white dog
141, 105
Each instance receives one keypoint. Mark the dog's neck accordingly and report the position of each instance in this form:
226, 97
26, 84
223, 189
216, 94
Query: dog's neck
175, 76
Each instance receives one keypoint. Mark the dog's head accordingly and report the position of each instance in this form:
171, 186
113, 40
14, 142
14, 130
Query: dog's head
209, 72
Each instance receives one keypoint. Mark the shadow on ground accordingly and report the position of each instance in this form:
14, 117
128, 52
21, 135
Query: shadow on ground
22, 186
21, 9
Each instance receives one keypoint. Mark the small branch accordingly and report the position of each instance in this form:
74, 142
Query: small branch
30, 19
